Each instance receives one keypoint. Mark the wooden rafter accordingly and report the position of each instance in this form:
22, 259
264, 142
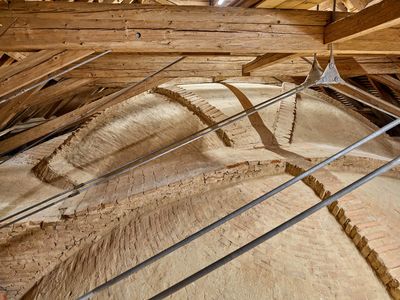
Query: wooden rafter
78, 114
380, 16
388, 80
37, 67
9, 110
54, 93
366, 98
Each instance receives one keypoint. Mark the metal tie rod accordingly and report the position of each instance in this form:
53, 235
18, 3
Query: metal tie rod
238, 211
275, 231
24, 90
112, 96
153, 155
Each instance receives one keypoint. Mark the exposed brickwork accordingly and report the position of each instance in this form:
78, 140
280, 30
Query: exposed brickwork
41, 246
366, 229
309, 260
285, 117
204, 110
123, 221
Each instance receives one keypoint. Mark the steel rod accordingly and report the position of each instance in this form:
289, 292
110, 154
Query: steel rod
24, 90
150, 157
275, 231
94, 109
238, 211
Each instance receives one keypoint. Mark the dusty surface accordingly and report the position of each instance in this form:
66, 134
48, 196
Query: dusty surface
309, 261
338, 253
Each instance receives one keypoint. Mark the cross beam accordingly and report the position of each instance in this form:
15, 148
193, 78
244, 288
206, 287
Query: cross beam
174, 29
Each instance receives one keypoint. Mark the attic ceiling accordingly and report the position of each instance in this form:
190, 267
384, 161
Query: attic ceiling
74, 81
61, 62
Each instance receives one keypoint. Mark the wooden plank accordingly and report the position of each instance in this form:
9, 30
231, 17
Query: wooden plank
380, 16
5, 24
270, 3
37, 72
18, 55
307, 4
387, 80
77, 115
266, 60
8, 112
115, 66
347, 66
35, 59
45, 25
8, 62
246, 3
175, 29
366, 98
289, 4
355, 5
54, 93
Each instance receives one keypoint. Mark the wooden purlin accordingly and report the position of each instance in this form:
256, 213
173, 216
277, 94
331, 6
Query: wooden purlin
221, 30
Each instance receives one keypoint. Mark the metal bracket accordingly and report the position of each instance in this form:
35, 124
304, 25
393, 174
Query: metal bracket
315, 75
331, 74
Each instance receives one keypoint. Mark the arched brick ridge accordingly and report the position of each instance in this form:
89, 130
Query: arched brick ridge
133, 241
83, 212
285, 117
30, 250
360, 230
266, 136
125, 210
205, 111
127, 144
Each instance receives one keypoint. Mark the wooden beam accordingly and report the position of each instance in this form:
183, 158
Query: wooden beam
77, 115
307, 4
366, 98
380, 16
180, 29
355, 5
9, 110
246, 3
5, 24
270, 3
35, 60
24, 73
266, 60
18, 55
229, 30
388, 80
51, 94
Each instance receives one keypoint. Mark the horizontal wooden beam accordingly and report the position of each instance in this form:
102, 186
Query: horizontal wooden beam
114, 67
170, 29
380, 16
347, 66
266, 60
